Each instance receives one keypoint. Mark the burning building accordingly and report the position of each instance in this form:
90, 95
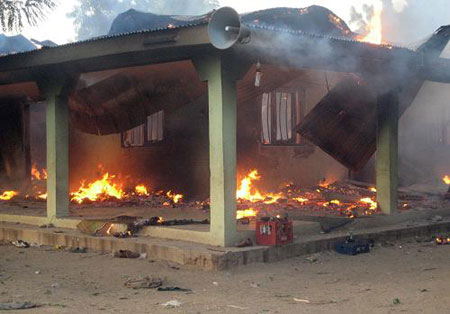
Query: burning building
221, 115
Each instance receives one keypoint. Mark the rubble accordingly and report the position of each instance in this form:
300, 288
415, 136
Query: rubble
21, 244
147, 282
17, 306
172, 304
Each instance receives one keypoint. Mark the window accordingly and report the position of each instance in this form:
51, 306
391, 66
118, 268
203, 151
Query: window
281, 111
155, 129
147, 134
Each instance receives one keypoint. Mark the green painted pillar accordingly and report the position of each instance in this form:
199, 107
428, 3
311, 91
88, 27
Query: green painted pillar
221, 73
56, 91
387, 152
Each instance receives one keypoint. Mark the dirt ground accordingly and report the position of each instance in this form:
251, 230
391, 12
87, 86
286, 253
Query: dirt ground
402, 277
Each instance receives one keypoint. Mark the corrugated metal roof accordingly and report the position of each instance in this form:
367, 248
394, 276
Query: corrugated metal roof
107, 37
195, 21
331, 38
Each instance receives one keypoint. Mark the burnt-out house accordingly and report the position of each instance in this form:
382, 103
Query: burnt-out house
189, 106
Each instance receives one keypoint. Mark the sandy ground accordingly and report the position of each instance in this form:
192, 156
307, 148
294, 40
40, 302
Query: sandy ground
415, 273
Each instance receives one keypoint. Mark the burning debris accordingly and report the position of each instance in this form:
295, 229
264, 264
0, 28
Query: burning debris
446, 180
342, 199
335, 199
108, 188
99, 190
8, 195
441, 240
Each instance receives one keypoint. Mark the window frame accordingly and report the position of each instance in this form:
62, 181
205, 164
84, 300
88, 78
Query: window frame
145, 125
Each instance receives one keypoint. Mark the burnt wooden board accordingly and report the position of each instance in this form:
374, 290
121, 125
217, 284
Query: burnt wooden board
344, 124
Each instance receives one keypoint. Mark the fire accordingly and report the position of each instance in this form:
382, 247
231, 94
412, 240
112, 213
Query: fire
371, 202
247, 192
324, 183
42, 196
300, 199
37, 175
373, 190
176, 198
245, 189
141, 190
374, 27
99, 190
8, 195
446, 179
246, 213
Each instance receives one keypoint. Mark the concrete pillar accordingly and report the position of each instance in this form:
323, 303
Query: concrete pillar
221, 74
387, 152
56, 91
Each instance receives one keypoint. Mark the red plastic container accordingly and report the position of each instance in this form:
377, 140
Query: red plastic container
274, 231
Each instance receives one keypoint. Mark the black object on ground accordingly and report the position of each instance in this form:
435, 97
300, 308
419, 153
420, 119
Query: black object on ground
126, 254
78, 250
174, 289
352, 246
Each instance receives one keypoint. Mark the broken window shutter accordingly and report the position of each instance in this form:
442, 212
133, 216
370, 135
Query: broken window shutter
266, 118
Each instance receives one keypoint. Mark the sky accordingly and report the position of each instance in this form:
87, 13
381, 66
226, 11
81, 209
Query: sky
60, 29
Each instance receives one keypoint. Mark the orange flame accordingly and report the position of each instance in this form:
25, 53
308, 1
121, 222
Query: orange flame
141, 190
36, 174
7, 195
42, 196
247, 192
246, 213
374, 27
371, 202
300, 199
99, 190
176, 198
446, 180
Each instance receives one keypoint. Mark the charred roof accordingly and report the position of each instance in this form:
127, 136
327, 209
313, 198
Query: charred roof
314, 19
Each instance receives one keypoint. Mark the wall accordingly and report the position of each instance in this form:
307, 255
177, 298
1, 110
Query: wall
181, 162
302, 165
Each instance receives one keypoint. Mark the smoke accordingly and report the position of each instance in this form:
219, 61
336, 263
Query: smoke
399, 5
360, 20
424, 149
414, 22
424, 145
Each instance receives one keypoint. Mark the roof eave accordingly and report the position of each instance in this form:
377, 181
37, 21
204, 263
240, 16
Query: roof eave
126, 50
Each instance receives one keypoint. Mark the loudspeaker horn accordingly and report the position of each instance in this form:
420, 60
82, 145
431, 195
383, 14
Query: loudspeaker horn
225, 29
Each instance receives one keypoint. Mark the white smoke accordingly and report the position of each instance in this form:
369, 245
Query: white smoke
399, 5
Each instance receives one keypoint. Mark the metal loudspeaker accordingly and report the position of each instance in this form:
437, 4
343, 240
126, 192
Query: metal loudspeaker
225, 29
